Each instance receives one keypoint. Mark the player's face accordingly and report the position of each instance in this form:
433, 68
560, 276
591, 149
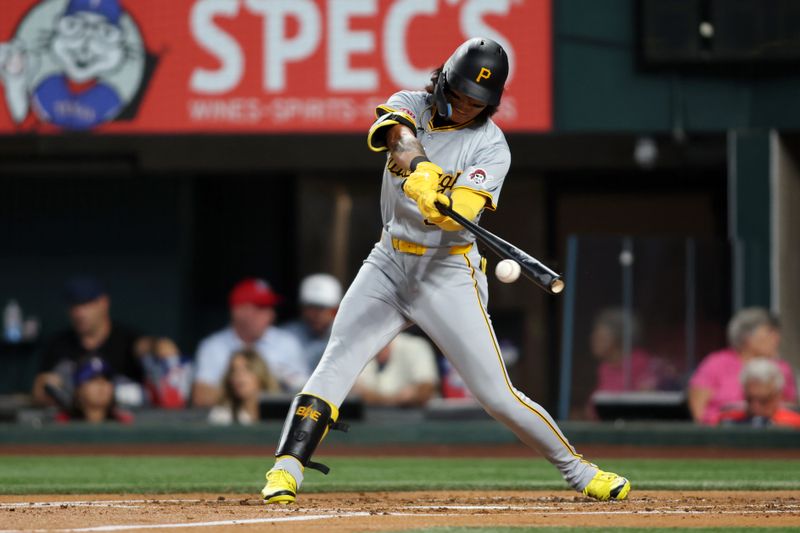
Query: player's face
762, 399
464, 107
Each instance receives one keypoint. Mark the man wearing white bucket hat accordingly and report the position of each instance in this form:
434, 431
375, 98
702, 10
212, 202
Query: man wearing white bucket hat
319, 297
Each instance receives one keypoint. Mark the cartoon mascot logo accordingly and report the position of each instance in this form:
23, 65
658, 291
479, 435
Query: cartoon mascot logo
477, 176
75, 64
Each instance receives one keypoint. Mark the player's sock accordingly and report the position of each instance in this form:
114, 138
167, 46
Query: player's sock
291, 465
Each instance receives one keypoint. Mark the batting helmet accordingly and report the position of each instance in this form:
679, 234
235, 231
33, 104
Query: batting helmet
478, 68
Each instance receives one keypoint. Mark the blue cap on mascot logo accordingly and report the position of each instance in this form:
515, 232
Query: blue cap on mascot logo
110, 9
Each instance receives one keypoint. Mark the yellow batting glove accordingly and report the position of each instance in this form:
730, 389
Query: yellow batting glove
424, 178
427, 206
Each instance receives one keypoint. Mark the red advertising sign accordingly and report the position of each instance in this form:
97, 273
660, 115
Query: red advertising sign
183, 66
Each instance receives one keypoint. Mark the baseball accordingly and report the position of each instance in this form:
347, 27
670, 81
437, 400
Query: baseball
507, 271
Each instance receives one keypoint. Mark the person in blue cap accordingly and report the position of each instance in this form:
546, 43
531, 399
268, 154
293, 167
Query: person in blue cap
93, 334
94, 402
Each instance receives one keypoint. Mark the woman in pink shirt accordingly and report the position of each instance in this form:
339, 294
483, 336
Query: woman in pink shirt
606, 343
752, 333
637, 372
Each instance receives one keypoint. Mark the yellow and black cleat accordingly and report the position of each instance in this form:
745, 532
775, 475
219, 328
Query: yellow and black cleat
281, 488
607, 486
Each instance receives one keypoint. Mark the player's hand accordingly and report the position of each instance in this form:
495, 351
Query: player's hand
427, 206
424, 178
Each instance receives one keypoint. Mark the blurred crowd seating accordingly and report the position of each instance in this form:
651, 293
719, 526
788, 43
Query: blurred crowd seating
100, 370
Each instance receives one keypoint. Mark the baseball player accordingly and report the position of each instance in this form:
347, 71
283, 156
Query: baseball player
442, 147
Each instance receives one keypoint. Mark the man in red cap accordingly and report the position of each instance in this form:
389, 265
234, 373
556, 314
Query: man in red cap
252, 303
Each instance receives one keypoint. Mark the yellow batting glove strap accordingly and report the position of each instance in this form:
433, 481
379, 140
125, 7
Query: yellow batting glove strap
466, 203
430, 167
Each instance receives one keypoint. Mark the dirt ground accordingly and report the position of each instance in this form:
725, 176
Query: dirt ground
391, 511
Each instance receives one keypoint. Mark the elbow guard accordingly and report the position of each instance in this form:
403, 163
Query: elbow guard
376, 138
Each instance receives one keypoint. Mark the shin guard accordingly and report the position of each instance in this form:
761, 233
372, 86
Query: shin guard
307, 423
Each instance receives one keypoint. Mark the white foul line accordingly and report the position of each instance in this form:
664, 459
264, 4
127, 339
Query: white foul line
193, 524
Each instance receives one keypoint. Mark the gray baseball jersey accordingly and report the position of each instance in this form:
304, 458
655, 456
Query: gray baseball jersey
443, 290
473, 157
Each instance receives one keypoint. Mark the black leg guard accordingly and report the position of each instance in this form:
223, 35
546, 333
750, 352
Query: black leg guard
307, 423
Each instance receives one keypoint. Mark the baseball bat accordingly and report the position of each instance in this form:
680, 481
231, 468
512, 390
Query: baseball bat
531, 268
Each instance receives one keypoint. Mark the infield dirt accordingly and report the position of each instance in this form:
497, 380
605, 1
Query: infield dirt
391, 511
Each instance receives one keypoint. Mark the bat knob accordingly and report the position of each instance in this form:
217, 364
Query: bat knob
557, 286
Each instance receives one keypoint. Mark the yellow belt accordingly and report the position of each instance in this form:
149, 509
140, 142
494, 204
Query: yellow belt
413, 248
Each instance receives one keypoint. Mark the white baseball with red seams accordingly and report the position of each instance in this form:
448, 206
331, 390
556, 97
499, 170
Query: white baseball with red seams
507, 271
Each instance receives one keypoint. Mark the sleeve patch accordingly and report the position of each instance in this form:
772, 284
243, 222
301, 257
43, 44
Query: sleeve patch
477, 176
408, 112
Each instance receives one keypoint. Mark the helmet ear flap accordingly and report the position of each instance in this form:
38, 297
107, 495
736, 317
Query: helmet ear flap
443, 107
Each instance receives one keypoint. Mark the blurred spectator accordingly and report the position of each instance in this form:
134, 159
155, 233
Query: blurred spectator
645, 372
320, 295
752, 333
403, 374
93, 400
93, 334
763, 383
168, 375
246, 378
252, 313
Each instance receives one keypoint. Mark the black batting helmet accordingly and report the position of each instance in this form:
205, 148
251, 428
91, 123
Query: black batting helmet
478, 68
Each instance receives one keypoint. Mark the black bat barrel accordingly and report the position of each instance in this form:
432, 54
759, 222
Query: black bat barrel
530, 267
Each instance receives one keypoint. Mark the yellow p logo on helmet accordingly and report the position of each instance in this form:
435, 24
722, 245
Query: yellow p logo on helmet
484, 74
